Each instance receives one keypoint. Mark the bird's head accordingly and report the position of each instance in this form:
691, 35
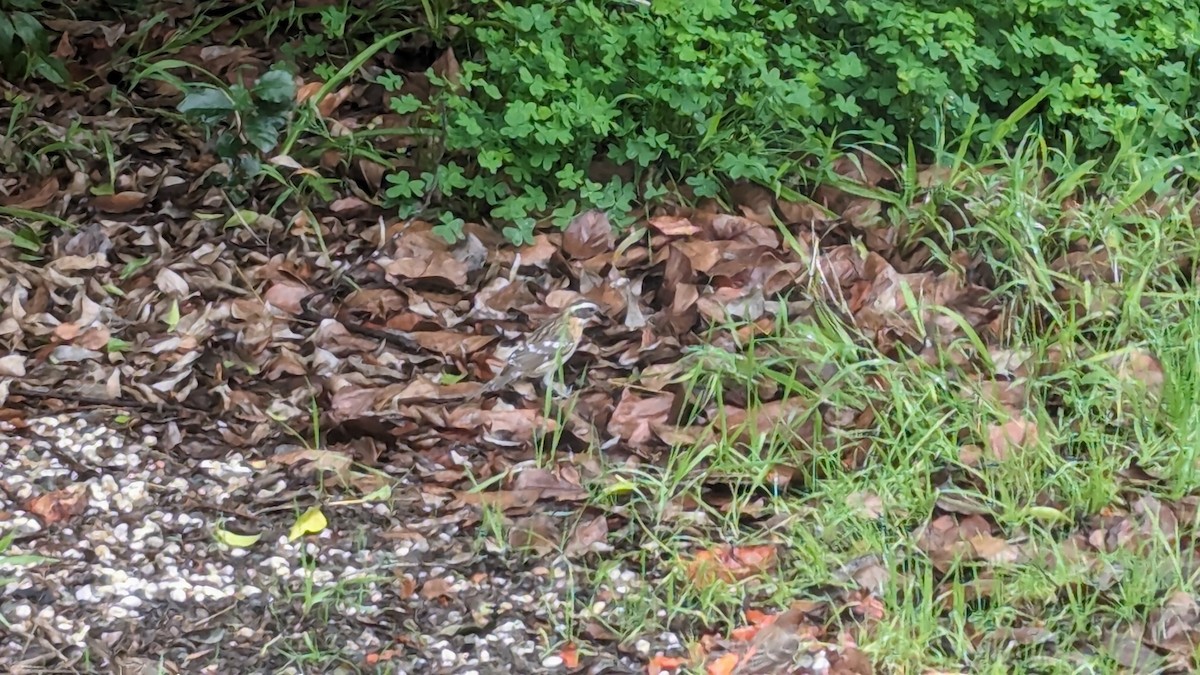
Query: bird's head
582, 310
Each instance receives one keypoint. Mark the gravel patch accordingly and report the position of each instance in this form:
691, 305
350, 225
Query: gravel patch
137, 578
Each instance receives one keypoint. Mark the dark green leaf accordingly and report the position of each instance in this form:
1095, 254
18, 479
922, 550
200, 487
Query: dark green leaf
205, 101
263, 132
276, 85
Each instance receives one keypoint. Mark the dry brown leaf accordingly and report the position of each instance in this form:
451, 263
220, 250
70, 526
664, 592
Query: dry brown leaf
437, 587
334, 100
515, 425
865, 505
286, 295
703, 255
539, 253
1009, 438
589, 234
1175, 626
1141, 368
316, 459
537, 534
450, 343
589, 537
674, 226
423, 255
862, 168
756, 202
59, 505
993, 549
635, 416
678, 271
307, 90
33, 198
121, 202
550, 485
731, 563
946, 538
505, 500
1123, 644
446, 67
806, 212
348, 206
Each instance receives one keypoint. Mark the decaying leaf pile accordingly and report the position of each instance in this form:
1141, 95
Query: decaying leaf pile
231, 326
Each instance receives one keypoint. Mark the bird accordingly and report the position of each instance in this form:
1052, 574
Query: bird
544, 351
774, 649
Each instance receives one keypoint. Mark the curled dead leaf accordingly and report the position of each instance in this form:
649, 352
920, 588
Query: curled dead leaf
537, 534
1140, 368
674, 226
59, 505
729, 564
589, 234
121, 202
1011, 437
635, 416
589, 537
33, 198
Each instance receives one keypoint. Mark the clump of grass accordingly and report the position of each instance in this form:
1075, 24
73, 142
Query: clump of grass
1107, 436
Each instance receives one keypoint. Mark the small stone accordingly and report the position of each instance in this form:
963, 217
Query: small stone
552, 661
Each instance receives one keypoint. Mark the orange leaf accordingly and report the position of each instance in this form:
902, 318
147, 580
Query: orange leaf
59, 505
723, 665
758, 617
660, 663
570, 656
730, 564
307, 90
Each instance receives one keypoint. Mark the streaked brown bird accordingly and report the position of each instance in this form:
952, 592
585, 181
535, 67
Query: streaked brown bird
775, 648
544, 351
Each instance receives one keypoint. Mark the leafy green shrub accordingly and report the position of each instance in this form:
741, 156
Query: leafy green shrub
713, 89
24, 45
242, 119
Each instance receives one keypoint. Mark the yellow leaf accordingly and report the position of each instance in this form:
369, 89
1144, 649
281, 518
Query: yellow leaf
1047, 513
621, 487
235, 540
381, 494
172, 318
309, 522
242, 217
